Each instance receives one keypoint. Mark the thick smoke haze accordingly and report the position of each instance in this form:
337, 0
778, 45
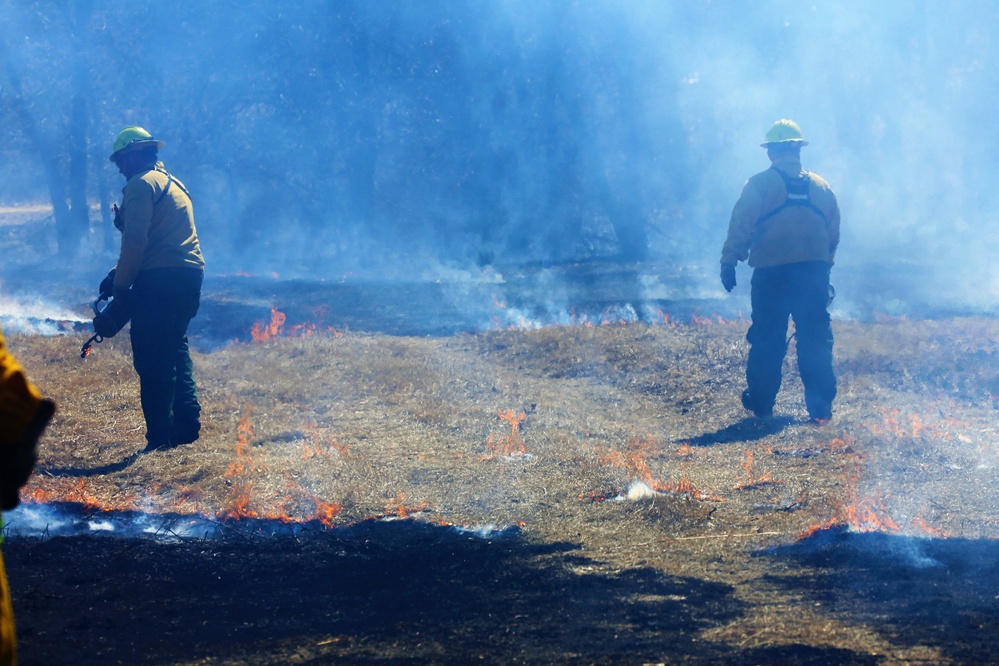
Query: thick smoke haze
415, 139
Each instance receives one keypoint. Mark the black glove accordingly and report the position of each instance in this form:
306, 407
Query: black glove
119, 223
107, 285
18, 458
728, 276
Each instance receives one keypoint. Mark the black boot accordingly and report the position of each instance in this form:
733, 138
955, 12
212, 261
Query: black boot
760, 412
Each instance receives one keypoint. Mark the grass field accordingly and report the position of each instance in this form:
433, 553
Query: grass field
570, 494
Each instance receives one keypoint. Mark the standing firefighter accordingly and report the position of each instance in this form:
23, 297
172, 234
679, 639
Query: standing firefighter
786, 223
23, 416
158, 278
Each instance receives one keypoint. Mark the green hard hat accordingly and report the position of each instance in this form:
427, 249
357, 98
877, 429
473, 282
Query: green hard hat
132, 138
784, 131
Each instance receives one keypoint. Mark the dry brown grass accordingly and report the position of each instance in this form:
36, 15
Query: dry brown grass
383, 425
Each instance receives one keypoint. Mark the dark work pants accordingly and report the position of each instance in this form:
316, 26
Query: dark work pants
800, 291
164, 300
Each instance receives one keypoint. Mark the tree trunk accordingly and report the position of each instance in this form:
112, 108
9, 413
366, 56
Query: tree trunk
76, 226
43, 148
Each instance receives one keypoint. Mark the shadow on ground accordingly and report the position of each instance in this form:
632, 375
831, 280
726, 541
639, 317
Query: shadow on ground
99, 470
386, 592
939, 593
749, 429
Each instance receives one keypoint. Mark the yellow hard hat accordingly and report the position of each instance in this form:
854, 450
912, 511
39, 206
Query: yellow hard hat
132, 138
784, 131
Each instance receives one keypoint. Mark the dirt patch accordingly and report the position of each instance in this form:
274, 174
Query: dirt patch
572, 494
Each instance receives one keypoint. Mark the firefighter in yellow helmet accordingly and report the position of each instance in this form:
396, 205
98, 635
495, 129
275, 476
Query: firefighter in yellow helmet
158, 277
23, 416
786, 225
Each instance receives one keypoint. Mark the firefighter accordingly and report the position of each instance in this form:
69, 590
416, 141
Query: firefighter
23, 416
786, 225
158, 277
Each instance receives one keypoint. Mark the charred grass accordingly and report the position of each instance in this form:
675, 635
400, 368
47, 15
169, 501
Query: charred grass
871, 539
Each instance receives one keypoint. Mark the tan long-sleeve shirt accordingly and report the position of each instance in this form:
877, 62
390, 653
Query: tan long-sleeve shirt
794, 234
157, 226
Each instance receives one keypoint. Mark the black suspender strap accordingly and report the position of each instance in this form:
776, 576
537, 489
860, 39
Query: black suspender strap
797, 195
170, 181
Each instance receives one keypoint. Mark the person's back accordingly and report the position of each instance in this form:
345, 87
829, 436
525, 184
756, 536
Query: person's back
786, 226
781, 226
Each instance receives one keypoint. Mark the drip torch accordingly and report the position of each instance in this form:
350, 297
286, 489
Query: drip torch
110, 318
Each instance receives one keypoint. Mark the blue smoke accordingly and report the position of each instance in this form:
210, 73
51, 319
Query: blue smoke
389, 138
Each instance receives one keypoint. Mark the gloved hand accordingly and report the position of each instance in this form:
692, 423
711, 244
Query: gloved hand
17, 458
107, 284
119, 223
728, 276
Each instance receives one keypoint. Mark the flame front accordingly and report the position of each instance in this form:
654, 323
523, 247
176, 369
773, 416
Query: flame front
264, 331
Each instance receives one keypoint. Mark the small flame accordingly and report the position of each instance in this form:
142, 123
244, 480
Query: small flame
326, 512
753, 480
635, 461
684, 486
920, 523
262, 332
859, 513
511, 445
317, 445
397, 507
242, 486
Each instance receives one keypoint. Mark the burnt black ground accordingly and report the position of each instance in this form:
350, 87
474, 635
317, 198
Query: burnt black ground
398, 592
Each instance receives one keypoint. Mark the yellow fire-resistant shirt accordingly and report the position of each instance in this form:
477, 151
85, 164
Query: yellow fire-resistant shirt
794, 234
157, 226
8, 633
19, 401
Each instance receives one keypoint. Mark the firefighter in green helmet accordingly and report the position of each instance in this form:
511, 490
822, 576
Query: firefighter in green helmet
786, 226
158, 277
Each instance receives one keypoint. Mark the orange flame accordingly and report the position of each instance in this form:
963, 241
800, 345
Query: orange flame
241, 502
920, 523
684, 486
635, 461
894, 424
397, 507
317, 445
48, 489
326, 512
752, 480
861, 514
512, 444
238, 471
664, 319
262, 332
